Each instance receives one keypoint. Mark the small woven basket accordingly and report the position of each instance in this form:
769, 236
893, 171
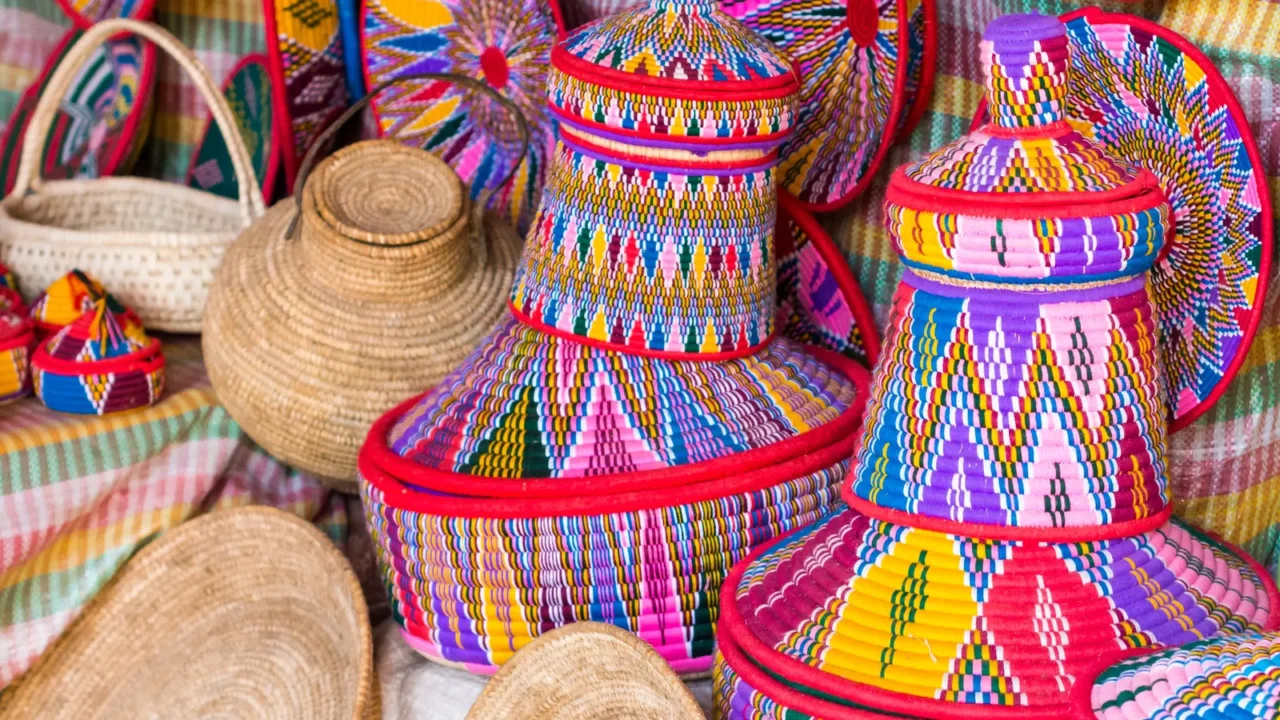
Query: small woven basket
243, 613
155, 244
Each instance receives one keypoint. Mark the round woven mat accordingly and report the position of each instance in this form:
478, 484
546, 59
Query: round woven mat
245, 613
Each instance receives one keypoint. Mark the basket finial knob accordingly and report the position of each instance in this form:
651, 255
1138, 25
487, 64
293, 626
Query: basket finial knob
1025, 59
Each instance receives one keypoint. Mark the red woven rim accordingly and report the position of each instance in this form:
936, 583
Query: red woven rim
1221, 91
890, 134
924, 89
26, 339
268, 180
1084, 533
553, 496
686, 166
542, 327
147, 359
1143, 193
582, 122
761, 89
790, 207
731, 623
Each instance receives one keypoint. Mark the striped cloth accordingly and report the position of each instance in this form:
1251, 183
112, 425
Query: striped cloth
78, 495
29, 33
1225, 468
220, 34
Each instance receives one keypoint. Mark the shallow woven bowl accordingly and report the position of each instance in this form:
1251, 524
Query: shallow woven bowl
587, 671
245, 613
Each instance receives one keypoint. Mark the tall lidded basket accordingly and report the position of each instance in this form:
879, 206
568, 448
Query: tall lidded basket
635, 426
1010, 520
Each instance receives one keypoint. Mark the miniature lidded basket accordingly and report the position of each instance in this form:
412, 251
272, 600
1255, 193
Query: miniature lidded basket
638, 383
1010, 512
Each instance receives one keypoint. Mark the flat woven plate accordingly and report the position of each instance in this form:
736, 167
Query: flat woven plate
248, 93
101, 120
504, 42
855, 90
1150, 97
818, 297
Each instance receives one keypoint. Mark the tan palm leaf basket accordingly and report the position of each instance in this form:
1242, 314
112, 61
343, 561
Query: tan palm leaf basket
154, 245
369, 286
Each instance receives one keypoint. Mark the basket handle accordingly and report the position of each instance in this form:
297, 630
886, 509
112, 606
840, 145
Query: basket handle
313, 153
42, 117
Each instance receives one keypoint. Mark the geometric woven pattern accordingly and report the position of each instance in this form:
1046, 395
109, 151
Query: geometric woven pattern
1044, 415
958, 620
492, 586
1230, 677
853, 90
532, 406
1180, 121
507, 44
632, 258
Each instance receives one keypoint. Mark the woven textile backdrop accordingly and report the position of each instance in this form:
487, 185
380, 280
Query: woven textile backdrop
1225, 467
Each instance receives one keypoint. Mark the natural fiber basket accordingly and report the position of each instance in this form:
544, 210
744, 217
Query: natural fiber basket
371, 285
156, 245
586, 671
244, 613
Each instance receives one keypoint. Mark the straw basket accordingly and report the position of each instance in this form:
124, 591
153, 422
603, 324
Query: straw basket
155, 244
244, 613
373, 283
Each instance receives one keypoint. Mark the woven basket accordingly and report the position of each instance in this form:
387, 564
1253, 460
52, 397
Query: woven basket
586, 671
373, 283
244, 613
156, 245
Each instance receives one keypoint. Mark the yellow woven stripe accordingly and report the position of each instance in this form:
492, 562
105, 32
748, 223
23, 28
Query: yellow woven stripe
22, 439
1248, 26
75, 547
1240, 516
1265, 349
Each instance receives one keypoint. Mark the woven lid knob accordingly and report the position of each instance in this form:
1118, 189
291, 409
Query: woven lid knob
381, 221
685, 5
1025, 59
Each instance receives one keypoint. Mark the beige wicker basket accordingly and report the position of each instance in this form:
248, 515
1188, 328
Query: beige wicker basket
154, 245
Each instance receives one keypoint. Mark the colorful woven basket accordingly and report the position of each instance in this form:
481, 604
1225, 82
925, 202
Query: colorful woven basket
103, 117
102, 363
1148, 97
64, 301
867, 68
1010, 521
1231, 677
634, 427
507, 44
